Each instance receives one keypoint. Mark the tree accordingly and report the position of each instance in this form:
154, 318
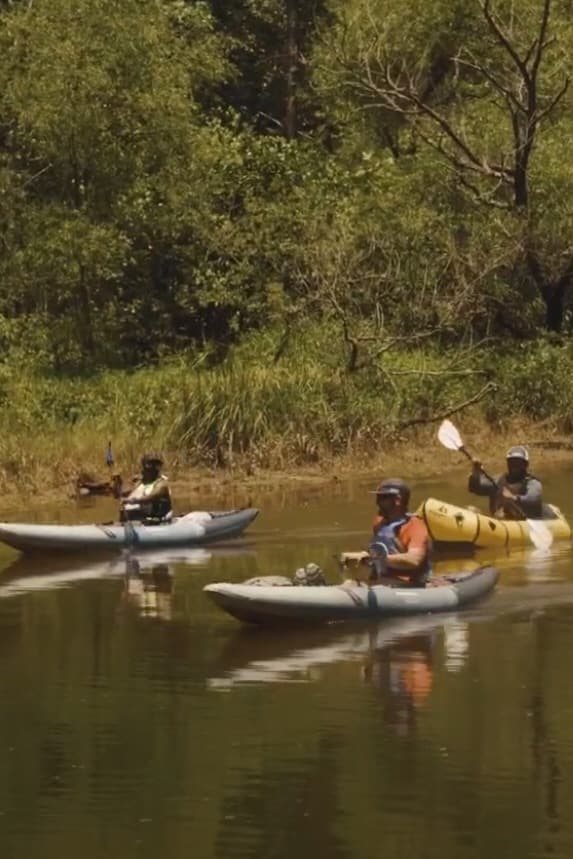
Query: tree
271, 45
100, 124
486, 89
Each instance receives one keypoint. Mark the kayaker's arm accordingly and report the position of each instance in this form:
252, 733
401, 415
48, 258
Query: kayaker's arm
478, 484
416, 544
529, 501
160, 489
412, 559
533, 494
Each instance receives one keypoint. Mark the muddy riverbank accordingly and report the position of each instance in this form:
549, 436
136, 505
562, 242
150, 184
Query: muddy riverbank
416, 455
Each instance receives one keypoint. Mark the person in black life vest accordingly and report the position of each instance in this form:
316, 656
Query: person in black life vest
517, 494
150, 500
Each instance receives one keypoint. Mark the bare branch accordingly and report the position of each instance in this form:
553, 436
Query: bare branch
508, 95
553, 103
503, 39
434, 372
487, 199
541, 38
488, 388
480, 167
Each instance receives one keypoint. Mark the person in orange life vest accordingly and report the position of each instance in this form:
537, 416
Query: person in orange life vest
400, 551
150, 500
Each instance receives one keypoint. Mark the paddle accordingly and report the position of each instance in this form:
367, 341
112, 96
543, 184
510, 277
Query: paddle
109, 457
539, 533
130, 534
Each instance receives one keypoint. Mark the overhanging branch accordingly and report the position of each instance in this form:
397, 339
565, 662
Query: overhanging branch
488, 388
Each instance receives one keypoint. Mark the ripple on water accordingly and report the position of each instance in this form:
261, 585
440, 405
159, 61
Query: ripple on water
436, 736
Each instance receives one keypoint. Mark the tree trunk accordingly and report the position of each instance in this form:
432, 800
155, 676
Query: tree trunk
554, 298
553, 292
87, 331
290, 124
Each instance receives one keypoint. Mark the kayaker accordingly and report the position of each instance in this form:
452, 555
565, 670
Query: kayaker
150, 500
517, 494
400, 551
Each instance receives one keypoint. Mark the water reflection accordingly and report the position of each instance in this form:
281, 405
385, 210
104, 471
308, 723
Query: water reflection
526, 563
547, 769
402, 673
395, 653
149, 587
27, 575
113, 734
456, 645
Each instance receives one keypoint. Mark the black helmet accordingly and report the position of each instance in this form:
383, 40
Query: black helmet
152, 458
394, 486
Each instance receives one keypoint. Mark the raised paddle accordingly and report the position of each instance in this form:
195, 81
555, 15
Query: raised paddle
539, 533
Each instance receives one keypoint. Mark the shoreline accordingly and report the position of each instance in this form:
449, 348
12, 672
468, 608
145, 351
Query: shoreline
415, 456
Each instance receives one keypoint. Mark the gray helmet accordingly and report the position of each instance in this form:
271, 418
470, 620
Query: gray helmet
518, 451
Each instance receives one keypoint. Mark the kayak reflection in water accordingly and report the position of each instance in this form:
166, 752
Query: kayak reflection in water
150, 590
150, 500
403, 672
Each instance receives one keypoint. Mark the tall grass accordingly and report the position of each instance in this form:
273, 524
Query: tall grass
252, 412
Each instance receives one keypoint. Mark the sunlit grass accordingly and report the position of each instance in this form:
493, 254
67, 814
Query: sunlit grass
254, 413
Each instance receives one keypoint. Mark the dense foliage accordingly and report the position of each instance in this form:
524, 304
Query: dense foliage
184, 178
175, 173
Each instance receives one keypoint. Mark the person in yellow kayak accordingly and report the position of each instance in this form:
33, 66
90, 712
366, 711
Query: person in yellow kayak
150, 500
517, 494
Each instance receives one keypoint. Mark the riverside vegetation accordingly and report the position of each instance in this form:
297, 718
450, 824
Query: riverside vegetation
251, 415
273, 233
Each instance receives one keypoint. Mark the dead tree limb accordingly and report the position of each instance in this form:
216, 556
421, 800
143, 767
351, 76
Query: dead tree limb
488, 388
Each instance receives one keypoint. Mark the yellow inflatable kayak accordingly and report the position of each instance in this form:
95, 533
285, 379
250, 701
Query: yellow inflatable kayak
454, 527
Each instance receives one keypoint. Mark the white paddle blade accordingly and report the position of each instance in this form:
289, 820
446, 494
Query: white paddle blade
449, 436
539, 534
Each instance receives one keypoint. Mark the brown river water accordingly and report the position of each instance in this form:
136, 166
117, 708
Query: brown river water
137, 720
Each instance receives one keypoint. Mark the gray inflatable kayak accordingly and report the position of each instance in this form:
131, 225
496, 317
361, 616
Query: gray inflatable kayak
268, 604
192, 529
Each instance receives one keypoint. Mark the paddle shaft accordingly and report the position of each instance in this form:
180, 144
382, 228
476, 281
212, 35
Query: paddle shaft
487, 476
